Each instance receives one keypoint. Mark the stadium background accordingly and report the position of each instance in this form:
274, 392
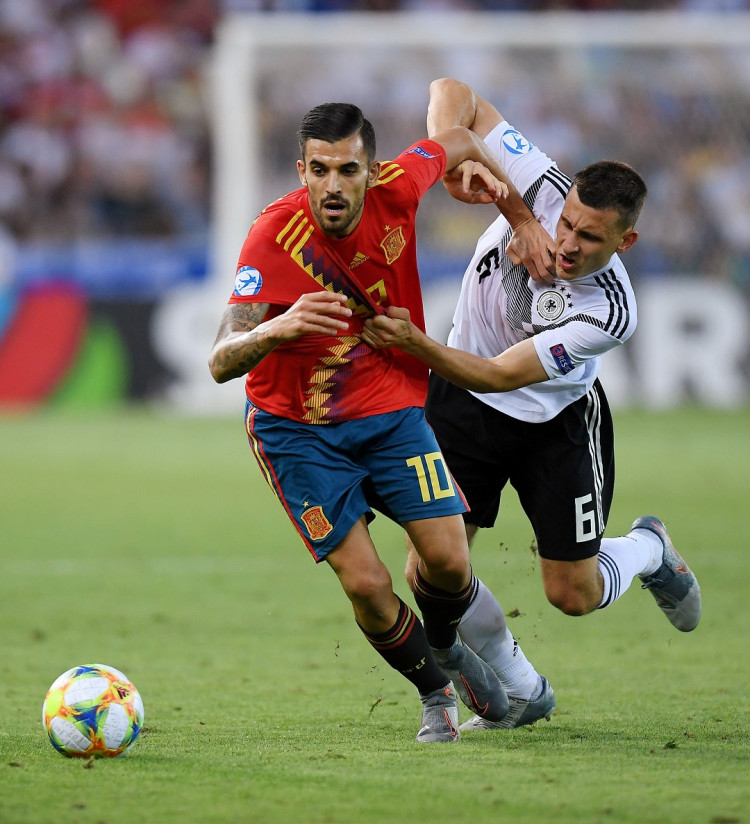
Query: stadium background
138, 140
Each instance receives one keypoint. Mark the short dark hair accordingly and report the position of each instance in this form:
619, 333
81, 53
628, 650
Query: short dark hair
336, 121
609, 184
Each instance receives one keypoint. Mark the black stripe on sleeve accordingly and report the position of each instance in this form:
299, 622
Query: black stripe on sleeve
619, 313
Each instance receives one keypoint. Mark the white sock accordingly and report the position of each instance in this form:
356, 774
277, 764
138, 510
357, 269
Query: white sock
653, 541
483, 628
622, 559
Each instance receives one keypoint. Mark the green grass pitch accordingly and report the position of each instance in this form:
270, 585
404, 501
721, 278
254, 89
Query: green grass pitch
150, 542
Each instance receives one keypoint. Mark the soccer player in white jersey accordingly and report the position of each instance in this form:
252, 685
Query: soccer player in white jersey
514, 396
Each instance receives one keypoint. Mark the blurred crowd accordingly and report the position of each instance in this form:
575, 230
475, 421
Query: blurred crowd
681, 116
104, 129
484, 5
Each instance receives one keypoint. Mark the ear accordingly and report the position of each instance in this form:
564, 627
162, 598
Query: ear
627, 240
301, 173
374, 174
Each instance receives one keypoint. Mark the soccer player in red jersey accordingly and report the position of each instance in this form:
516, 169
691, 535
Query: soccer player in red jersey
338, 428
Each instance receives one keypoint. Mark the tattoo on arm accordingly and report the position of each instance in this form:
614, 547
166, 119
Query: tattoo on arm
238, 347
242, 317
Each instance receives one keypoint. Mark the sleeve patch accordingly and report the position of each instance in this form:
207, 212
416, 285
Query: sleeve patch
247, 282
562, 358
516, 143
418, 150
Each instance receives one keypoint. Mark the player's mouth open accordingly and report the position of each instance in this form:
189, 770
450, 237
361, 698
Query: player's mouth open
566, 263
334, 207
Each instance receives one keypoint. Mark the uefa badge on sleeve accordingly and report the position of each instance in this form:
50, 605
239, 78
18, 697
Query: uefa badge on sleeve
247, 282
516, 143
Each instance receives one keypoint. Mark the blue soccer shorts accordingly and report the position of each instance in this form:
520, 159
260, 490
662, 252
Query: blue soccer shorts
326, 476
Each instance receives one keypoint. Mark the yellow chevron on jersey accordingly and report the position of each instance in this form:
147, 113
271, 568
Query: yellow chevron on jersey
297, 223
321, 383
388, 171
300, 229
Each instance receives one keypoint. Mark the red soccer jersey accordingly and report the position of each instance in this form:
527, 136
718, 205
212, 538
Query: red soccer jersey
326, 379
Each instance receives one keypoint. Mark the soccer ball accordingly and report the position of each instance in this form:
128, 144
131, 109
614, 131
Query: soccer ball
92, 710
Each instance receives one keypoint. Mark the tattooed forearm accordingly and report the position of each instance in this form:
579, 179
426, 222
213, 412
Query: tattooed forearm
236, 358
242, 317
240, 345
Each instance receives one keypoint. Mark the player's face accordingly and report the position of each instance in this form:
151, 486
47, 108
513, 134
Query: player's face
337, 176
587, 238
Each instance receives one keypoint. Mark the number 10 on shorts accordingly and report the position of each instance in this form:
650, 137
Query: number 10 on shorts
429, 477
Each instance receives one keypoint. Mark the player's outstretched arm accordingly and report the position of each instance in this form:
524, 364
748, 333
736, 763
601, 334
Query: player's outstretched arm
454, 106
244, 338
453, 103
516, 367
459, 119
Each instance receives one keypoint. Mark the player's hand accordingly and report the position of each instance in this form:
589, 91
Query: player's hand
532, 247
316, 313
472, 182
393, 329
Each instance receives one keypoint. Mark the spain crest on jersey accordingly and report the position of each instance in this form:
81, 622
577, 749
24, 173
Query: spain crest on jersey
393, 244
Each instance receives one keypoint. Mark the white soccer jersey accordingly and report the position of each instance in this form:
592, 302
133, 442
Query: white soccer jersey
572, 321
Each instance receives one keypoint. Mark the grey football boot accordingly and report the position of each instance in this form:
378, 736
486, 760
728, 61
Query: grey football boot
521, 713
673, 585
475, 681
439, 716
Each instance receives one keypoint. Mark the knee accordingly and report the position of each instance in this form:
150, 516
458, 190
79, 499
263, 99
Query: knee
441, 548
451, 566
375, 604
446, 563
569, 599
574, 587
368, 589
450, 576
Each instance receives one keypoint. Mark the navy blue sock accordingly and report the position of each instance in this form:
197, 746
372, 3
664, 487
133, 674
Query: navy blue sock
404, 646
442, 610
